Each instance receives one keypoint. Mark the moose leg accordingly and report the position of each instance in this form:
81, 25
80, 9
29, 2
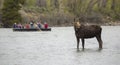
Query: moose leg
100, 41
83, 42
78, 43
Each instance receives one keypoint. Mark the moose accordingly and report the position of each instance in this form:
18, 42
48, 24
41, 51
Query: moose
83, 32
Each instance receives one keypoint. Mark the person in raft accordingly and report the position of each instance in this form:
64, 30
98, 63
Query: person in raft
27, 26
39, 24
19, 25
14, 25
35, 26
45, 25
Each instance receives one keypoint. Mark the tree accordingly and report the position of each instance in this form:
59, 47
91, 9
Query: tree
56, 3
41, 3
10, 12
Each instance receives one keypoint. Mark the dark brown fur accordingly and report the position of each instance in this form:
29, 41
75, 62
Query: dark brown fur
88, 31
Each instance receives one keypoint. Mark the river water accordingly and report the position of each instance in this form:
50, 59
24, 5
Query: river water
58, 47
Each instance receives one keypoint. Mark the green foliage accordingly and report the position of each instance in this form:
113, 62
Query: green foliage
29, 3
1, 4
86, 8
10, 12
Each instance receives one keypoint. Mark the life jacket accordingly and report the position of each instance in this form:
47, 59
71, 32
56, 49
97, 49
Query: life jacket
46, 26
27, 26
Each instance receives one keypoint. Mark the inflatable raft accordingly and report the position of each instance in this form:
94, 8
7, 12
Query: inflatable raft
43, 29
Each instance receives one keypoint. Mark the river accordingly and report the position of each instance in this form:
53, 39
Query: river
58, 47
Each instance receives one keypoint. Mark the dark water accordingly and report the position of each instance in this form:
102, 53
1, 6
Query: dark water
58, 47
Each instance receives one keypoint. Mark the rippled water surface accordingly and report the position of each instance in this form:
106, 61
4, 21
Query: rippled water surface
58, 47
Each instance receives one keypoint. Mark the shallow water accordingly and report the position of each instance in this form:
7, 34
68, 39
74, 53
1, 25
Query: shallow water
58, 47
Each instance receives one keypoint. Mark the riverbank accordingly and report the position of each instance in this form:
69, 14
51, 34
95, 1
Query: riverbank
117, 23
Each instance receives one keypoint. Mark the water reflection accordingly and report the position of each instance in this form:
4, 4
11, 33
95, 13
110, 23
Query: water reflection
88, 50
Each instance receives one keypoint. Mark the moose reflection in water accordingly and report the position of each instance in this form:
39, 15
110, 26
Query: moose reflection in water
87, 31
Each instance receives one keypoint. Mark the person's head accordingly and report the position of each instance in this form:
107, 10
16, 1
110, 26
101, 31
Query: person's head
45, 22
